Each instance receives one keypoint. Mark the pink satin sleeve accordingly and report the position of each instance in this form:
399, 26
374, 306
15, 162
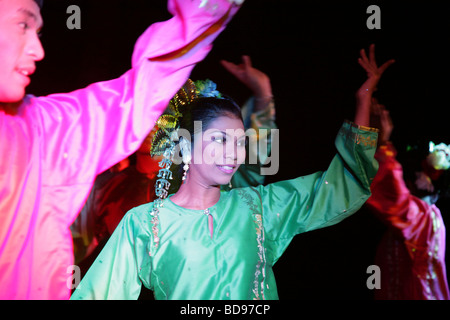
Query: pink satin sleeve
89, 130
55, 146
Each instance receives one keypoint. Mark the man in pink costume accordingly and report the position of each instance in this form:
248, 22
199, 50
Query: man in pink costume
53, 147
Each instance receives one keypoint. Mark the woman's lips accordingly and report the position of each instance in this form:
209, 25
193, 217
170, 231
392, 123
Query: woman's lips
228, 169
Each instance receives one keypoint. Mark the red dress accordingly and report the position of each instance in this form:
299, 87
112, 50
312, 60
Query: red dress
411, 255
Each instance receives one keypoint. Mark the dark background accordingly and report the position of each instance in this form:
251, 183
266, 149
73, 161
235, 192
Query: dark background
309, 49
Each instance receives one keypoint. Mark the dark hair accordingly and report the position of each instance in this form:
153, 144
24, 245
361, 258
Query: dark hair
204, 109
413, 160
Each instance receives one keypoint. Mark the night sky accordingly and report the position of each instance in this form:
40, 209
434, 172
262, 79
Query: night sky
309, 49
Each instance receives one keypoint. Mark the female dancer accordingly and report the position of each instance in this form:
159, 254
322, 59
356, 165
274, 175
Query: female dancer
204, 243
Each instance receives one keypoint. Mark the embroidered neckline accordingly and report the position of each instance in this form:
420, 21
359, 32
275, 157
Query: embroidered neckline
195, 211
260, 268
162, 202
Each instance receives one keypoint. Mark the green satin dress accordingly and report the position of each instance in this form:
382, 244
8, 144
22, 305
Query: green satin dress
251, 228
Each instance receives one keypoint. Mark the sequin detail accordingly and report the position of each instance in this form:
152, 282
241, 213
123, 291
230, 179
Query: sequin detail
258, 284
358, 138
261, 265
161, 190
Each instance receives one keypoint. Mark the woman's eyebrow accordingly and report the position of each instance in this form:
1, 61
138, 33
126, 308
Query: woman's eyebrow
227, 135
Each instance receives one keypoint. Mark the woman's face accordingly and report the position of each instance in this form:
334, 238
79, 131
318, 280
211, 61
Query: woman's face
217, 152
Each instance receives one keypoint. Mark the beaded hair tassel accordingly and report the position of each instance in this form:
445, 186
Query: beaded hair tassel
163, 144
161, 189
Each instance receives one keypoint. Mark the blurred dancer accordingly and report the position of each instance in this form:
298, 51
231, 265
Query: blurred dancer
53, 147
411, 254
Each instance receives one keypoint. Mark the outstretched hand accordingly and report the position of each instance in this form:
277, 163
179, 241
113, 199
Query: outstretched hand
374, 72
257, 81
364, 94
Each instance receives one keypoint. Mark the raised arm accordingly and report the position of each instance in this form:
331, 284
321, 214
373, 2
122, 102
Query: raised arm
365, 92
325, 198
258, 114
391, 200
89, 130
256, 80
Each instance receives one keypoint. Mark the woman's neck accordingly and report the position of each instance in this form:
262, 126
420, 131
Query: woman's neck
193, 195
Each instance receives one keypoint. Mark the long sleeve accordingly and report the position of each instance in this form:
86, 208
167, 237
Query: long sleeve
323, 198
54, 147
89, 130
114, 275
391, 200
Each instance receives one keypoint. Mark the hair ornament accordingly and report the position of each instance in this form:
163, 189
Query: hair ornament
439, 156
168, 123
163, 142
207, 88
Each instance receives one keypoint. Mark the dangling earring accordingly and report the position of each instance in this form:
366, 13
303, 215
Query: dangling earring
185, 168
185, 148
229, 184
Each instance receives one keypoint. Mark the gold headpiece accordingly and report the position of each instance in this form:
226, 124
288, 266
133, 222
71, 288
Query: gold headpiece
170, 120
163, 144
